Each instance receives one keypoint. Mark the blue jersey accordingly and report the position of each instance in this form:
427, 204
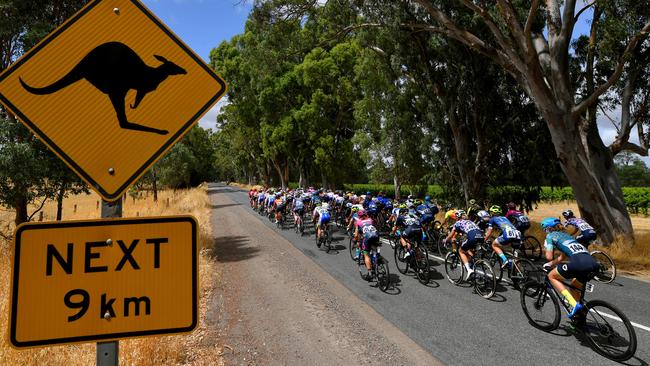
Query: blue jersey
564, 243
508, 230
580, 224
298, 204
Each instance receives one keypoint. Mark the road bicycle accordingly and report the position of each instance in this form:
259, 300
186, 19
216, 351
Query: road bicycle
607, 272
483, 279
531, 248
436, 235
378, 267
607, 330
517, 267
298, 224
418, 261
325, 240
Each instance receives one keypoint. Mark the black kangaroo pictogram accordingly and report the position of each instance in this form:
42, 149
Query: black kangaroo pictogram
114, 69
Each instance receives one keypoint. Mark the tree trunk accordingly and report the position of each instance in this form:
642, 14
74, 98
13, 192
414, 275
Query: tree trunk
21, 210
154, 176
59, 203
397, 184
590, 171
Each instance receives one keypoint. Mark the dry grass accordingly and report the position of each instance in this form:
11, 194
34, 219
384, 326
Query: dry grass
193, 349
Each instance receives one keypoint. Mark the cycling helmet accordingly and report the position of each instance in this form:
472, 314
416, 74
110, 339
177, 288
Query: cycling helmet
459, 214
495, 210
325, 206
368, 193
427, 198
362, 213
355, 208
448, 206
472, 202
511, 206
567, 214
348, 205
403, 206
451, 215
409, 204
549, 223
484, 215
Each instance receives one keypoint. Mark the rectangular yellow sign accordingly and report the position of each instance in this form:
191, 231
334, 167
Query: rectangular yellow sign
81, 281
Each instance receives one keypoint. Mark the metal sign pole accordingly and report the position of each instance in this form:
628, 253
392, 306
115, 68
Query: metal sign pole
108, 352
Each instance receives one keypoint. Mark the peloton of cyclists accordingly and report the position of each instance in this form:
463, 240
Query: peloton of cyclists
509, 234
473, 236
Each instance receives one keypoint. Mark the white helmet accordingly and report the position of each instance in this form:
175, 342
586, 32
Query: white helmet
325, 206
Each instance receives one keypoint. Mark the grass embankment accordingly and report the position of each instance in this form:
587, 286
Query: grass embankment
168, 350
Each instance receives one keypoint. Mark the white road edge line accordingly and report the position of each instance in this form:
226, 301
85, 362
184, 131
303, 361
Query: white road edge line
640, 326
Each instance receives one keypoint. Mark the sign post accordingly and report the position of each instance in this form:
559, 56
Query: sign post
108, 353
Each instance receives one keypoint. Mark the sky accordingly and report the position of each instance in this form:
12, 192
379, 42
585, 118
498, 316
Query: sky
204, 24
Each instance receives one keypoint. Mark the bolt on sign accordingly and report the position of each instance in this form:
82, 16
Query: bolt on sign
110, 91
80, 281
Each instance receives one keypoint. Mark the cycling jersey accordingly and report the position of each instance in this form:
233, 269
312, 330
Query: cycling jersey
564, 243
410, 224
518, 219
509, 234
465, 226
580, 265
368, 232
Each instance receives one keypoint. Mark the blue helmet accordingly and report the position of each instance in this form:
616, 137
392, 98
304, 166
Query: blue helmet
550, 222
427, 198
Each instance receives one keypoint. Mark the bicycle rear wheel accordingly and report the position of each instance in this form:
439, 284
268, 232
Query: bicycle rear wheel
383, 274
454, 268
352, 246
422, 263
531, 248
495, 263
443, 248
401, 263
612, 338
484, 282
521, 267
327, 240
607, 272
540, 306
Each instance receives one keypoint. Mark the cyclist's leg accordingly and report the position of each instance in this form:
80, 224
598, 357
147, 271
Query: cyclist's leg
496, 246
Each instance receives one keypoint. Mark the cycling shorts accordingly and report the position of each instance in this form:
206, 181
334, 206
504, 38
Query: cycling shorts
367, 242
324, 218
279, 208
299, 211
504, 239
426, 218
473, 238
580, 266
412, 233
586, 237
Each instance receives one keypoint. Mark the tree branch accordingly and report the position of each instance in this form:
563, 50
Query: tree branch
575, 19
580, 108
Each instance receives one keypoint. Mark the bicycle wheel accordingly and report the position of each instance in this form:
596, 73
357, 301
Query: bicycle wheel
484, 282
443, 248
327, 241
495, 263
540, 306
521, 267
352, 246
607, 271
383, 274
401, 263
531, 248
422, 263
612, 338
454, 268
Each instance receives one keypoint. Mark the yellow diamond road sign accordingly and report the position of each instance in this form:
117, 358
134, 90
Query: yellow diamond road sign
81, 281
110, 91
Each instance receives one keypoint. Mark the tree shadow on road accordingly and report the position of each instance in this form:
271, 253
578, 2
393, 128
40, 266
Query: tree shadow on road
216, 207
231, 249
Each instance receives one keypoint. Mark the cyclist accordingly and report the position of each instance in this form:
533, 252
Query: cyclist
473, 235
279, 205
410, 228
366, 235
509, 234
472, 209
518, 218
580, 265
321, 215
581, 230
483, 219
298, 208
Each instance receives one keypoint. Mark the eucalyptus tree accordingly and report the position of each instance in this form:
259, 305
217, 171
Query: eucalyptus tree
531, 41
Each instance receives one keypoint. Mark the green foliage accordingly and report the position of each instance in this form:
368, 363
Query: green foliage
189, 162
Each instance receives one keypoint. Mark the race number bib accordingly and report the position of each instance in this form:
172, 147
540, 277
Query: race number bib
368, 229
512, 233
583, 226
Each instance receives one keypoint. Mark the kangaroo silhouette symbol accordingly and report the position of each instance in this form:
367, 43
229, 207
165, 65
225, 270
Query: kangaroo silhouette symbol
114, 69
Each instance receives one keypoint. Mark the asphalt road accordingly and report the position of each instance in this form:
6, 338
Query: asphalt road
461, 328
